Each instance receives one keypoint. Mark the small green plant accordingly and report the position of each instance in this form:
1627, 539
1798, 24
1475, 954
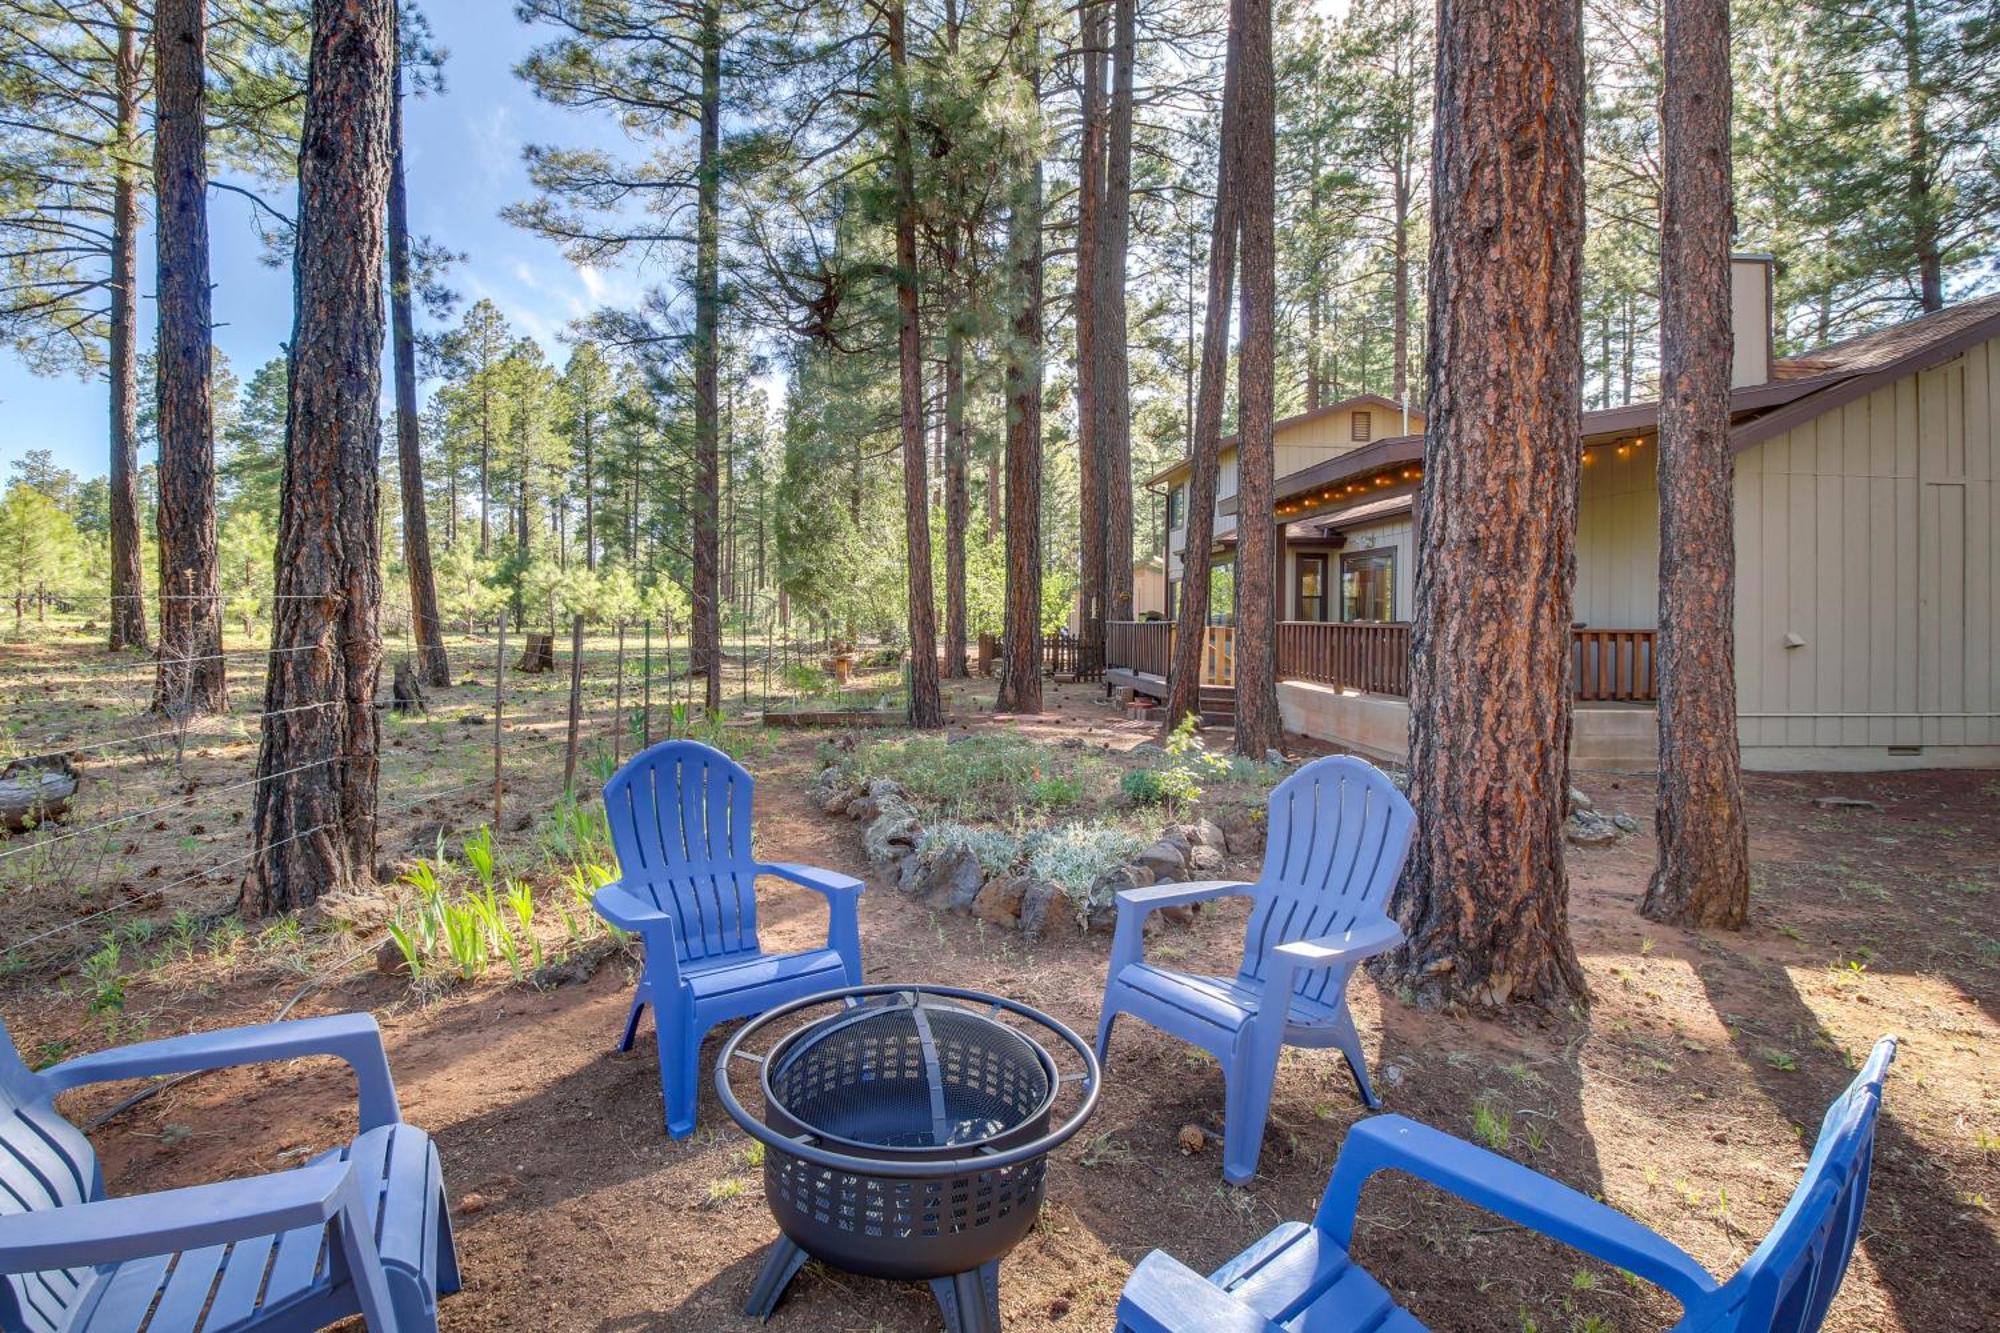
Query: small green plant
723, 1191
406, 944
479, 855
1781, 1061
107, 982
1177, 783
1583, 1280
1492, 1124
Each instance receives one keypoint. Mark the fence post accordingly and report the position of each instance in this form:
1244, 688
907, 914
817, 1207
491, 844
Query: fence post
499, 705
646, 685
575, 700
618, 702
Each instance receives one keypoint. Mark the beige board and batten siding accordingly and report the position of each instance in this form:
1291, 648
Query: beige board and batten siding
1618, 539
1867, 573
1398, 534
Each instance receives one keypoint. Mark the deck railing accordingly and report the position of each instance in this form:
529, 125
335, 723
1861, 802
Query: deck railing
1359, 656
1614, 665
1066, 656
1145, 646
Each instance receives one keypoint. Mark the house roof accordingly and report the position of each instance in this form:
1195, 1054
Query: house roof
1298, 419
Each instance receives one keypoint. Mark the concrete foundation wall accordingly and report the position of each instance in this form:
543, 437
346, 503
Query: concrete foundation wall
1378, 726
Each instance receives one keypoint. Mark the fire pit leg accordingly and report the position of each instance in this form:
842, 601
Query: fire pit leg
781, 1265
970, 1301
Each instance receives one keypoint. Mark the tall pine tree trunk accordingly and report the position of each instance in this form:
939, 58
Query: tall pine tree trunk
1485, 897
1400, 277
957, 498
1257, 726
926, 706
1091, 519
128, 590
433, 667
1702, 877
706, 646
1184, 672
1111, 390
317, 769
1021, 662
192, 677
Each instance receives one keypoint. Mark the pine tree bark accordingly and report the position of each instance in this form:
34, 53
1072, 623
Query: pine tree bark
1091, 520
128, 590
1190, 629
1257, 725
192, 677
1702, 876
926, 705
1111, 390
957, 498
1484, 899
1021, 660
705, 646
317, 768
433, 666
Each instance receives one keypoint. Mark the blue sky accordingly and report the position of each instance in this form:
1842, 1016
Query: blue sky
464, 167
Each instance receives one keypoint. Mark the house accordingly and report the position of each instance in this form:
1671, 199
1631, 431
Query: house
1868, 573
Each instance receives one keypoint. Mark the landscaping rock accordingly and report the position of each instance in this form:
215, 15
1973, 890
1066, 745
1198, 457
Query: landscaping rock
389, 960
999, 901
1174, 838
953, 878
836, 802
862, 808
1243, 827
1204, 833
1625, 822
1587, 828
1843, 803
1578, 801
1046, 911
1166, 861
883, 789
1274, 758
891, 835
1147, 750
1205, 861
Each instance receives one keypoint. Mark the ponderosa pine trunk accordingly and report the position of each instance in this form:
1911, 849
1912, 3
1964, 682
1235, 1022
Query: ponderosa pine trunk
1091, 519
192, 677
705, 646
317, 768
433, 666
1484, 899
1191, 626
957, 498
128, 584
1111, 389
1702, 876
926, 705
1021, 659
1258, 729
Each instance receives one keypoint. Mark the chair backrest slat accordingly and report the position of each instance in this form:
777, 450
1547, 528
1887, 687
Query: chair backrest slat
45, 1163
1788, 1282
1335, 840
680, 815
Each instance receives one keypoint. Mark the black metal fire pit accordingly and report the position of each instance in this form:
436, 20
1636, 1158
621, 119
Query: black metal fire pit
905, 1137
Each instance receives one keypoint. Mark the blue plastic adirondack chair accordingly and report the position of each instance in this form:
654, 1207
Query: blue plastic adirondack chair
680, 823
1337, 835
1299, 1279
359, 1230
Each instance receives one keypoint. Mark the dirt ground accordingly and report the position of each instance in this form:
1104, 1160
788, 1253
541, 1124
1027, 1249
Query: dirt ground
1686, 1095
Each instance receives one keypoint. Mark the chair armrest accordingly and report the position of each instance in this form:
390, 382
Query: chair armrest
828, 882
113, 1230
1365, 940
627, 911
1163, 1295
354, 1038
1503, 1186
1154, 897
1128, 939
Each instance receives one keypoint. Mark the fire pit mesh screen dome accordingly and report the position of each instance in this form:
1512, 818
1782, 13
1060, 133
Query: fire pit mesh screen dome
912, 1076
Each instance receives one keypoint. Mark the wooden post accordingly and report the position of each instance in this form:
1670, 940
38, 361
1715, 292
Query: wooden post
499, 705
618, 701
646, 686
575, 700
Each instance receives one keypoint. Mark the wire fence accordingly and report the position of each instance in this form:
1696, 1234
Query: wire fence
161, 820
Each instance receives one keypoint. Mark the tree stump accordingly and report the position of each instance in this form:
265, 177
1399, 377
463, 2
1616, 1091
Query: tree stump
36, 791
407, 695
539, 654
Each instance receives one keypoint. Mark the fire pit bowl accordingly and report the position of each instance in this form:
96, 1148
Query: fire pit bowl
906, 1134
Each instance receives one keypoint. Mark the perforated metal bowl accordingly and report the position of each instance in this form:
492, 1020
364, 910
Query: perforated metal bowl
907, 1131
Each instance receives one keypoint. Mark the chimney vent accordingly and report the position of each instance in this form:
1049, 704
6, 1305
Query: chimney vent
1750, 318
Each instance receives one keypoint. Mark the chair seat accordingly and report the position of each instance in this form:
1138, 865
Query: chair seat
282, 1280
1298, 1278
1223, 1002
714, 983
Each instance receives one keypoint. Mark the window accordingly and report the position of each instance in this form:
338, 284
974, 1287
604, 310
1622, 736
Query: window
1358, 431
1368, 585
1176, 509
1309, 599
